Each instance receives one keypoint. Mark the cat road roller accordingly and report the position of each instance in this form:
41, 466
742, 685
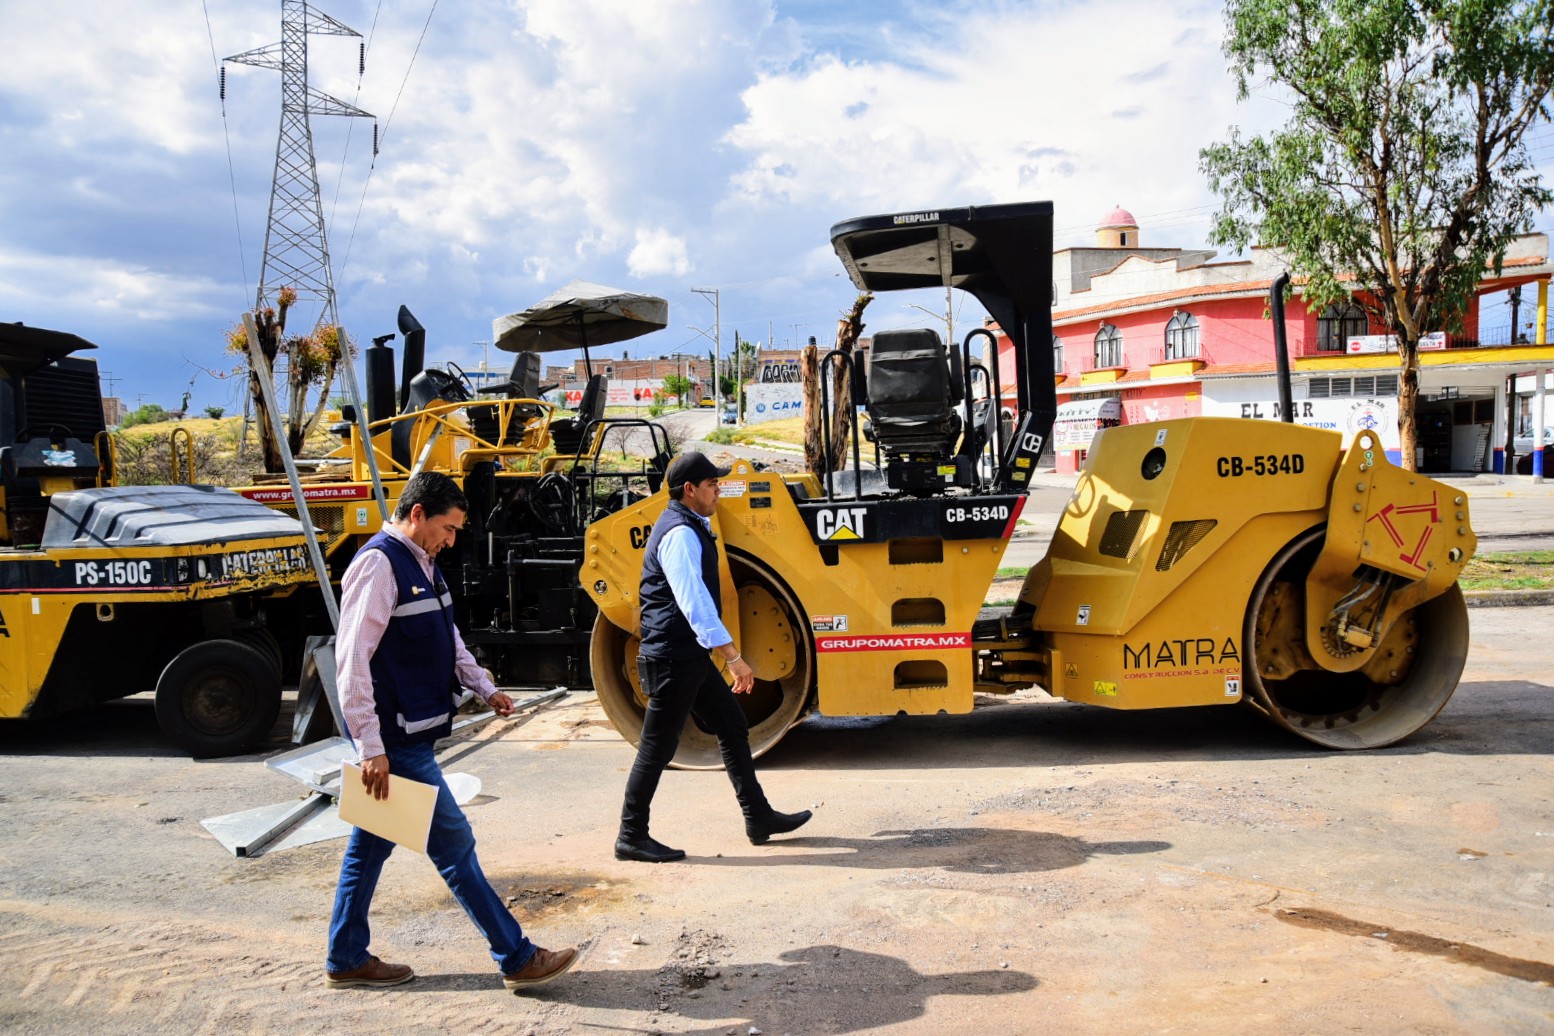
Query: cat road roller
1199, 561
107, 591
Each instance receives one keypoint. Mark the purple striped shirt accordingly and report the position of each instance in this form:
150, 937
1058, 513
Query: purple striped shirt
368, 595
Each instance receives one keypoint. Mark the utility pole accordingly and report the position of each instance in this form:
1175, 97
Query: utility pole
296, 246
110, 378
739, 381
714, 296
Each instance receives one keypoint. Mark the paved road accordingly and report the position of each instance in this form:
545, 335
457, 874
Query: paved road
1031, 866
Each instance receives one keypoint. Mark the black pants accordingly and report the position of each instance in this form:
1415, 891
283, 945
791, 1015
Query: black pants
677, 688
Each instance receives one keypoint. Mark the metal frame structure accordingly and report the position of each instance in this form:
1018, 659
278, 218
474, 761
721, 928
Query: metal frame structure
296, 244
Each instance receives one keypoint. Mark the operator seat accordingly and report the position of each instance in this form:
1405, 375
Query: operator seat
522, 383
572, 434
426, 388
37, 467
913, 387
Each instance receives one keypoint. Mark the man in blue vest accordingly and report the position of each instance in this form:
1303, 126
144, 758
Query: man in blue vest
682, 622
401, 662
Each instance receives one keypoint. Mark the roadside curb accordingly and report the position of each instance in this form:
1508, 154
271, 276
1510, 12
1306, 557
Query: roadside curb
1508, 598
770, 445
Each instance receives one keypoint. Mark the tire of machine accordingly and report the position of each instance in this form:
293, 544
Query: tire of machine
1349, 710
218, 697
264, 642
771, 709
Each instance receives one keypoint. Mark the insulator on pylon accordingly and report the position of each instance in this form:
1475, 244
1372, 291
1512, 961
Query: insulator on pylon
361, 58
223, 82
374, 140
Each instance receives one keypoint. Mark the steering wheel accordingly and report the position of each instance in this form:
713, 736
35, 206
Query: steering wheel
55, 433
447, 386
469, 386
554, 503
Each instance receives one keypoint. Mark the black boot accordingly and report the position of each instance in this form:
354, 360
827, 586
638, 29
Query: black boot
775, 823
646, 849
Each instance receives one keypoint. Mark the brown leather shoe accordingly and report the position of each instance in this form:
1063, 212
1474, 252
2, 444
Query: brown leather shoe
542, 967
373, 973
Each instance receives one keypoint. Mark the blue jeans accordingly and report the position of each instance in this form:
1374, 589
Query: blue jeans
451, 847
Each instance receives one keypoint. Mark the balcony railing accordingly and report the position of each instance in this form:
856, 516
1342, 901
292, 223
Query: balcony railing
1087, 364
1164, 354
1485, 339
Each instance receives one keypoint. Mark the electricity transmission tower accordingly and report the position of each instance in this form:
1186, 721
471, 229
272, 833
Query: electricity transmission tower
296, 246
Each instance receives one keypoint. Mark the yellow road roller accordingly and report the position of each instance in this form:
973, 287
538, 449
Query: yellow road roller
1199, 561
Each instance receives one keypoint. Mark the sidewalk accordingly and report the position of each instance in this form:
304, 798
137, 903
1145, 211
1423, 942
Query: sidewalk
1476, 483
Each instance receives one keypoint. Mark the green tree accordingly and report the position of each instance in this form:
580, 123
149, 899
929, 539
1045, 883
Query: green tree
679, 385
215, 412
150, 413
1402, 173
739, 369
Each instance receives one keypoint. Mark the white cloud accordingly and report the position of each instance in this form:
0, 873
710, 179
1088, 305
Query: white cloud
64, 290
658, 252
1015, 103
102, 72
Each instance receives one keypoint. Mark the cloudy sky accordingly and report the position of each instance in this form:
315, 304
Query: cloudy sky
654, 145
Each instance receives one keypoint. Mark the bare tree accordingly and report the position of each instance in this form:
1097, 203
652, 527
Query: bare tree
840, 392
311, 359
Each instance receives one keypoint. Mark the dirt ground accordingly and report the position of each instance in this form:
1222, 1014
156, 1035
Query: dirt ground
1035, 866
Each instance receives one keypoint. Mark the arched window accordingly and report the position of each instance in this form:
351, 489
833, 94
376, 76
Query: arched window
1057, 355
1108, 347
1181, 335
1337, 325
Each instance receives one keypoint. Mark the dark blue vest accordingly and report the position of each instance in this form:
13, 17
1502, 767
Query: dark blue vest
665, 631
412, 670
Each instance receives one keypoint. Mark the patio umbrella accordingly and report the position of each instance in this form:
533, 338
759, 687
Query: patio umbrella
577, 316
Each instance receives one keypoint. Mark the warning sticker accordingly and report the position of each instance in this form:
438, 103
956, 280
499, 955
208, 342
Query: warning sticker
1106, 688
828, 623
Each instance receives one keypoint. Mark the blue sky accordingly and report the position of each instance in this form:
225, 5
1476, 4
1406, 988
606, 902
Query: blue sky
654, 146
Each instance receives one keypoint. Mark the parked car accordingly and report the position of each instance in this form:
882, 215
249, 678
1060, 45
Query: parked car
1523, 445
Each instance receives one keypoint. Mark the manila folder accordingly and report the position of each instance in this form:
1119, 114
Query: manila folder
405, 817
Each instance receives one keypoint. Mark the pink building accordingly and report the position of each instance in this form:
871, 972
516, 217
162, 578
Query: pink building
1168, 332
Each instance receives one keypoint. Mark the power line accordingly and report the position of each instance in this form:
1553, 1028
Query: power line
362, 203
226, 132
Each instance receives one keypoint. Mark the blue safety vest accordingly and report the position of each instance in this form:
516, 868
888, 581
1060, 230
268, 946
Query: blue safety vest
413, 683
666, 633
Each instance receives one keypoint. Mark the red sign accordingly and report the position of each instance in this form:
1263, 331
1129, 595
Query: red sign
893, 642
358, 491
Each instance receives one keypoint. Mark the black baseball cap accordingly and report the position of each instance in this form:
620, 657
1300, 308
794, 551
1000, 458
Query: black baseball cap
692, 467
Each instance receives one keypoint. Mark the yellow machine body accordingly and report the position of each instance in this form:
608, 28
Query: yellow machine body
1148, 596
884, 624
51, 598
135, 588
1172, 570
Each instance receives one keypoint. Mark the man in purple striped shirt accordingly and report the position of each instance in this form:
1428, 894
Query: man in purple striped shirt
401, 662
